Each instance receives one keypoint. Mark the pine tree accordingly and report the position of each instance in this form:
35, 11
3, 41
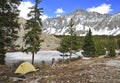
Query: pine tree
71, 42
88, 46
33, 25
71, 32
63, 46
8, 25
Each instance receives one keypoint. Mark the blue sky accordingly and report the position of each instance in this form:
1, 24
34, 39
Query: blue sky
53, 8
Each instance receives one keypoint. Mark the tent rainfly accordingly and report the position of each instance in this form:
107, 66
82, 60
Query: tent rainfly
25, 67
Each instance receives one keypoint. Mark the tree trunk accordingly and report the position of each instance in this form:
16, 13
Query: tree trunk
2, 54
32, 58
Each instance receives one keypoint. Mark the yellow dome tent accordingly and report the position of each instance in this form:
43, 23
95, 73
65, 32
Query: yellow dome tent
25, 67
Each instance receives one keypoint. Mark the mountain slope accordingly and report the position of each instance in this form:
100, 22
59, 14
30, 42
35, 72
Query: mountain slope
50, 42
100, 24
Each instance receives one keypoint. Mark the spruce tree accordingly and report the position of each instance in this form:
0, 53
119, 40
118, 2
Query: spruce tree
70, 42
71, 32
89, 46
8, 25
33, 25
63, 46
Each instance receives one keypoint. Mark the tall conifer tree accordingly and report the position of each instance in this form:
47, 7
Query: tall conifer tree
8, 25
33, 25
63, 46
89, 46
71, 42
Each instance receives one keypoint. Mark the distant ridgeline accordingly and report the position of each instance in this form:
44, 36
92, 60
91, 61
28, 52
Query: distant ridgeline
100, 24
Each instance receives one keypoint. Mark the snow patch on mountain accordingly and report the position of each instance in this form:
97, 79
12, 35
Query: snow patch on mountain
100, 24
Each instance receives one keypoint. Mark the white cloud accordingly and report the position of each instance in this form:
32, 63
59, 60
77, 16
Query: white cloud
24, 9
59, 11
103, 9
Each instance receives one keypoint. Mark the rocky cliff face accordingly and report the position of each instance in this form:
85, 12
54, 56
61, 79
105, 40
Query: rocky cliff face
100, 24
50, 42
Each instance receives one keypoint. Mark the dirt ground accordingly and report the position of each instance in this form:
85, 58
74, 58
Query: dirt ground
94, 70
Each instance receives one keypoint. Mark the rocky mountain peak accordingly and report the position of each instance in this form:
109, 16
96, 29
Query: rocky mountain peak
100, 24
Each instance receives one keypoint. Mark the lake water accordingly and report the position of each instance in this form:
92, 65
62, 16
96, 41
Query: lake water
12, 57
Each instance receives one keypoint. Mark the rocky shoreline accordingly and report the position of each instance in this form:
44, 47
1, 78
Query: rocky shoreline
94, 70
